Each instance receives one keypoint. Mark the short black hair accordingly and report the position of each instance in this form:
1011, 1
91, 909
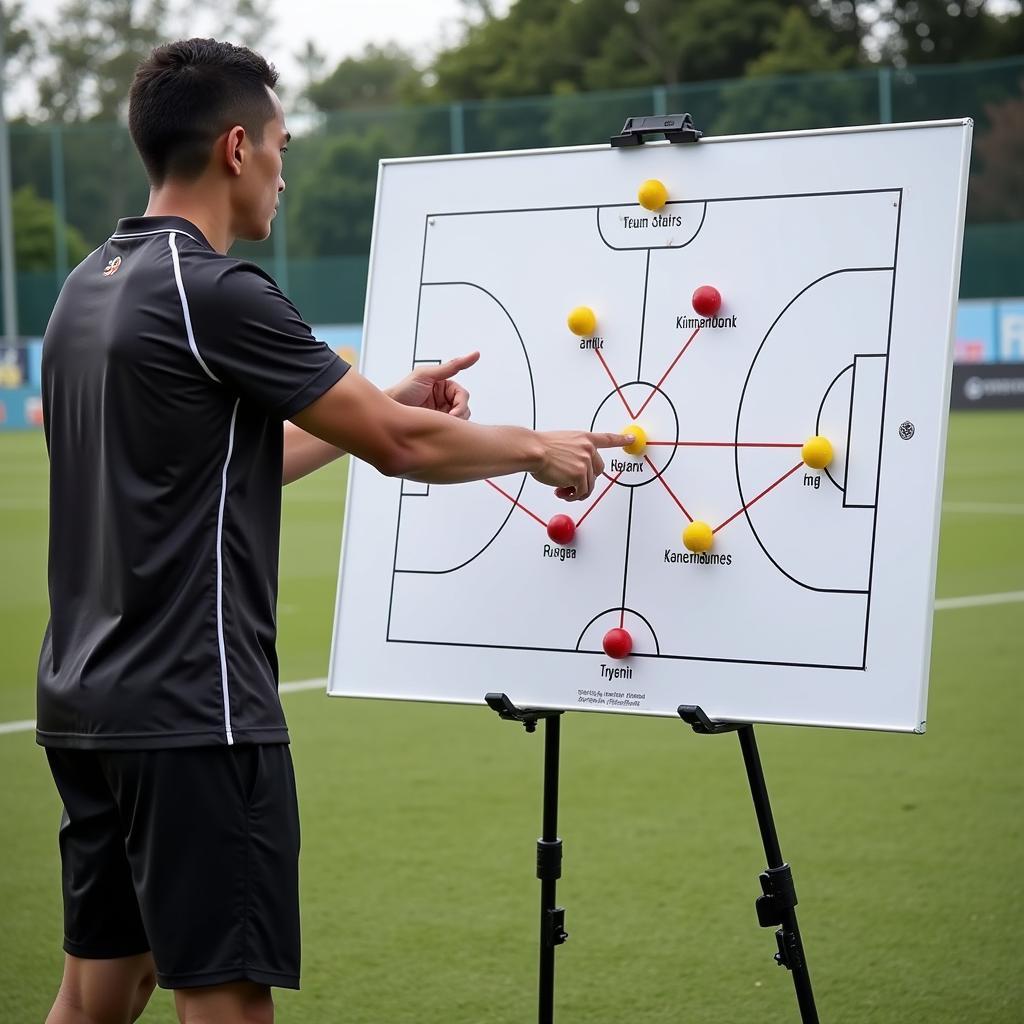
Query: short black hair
186, 94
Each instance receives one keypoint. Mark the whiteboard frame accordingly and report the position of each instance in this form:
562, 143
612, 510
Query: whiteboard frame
962, 179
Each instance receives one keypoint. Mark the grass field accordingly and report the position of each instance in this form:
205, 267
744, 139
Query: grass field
419, 901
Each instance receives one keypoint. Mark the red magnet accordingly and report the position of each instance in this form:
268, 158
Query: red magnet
561, 529
707, 300
617, 643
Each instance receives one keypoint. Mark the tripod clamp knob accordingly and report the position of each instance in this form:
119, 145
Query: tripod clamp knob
775, 907
779, 896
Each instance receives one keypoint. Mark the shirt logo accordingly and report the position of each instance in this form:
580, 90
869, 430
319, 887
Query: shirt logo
112, 266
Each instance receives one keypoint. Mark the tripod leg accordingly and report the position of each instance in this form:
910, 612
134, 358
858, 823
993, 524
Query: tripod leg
549, 870
778, 904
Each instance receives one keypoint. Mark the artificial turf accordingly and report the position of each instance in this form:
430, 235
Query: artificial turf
419, 901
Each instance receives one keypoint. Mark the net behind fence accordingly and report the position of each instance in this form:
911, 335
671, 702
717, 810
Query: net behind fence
71, 182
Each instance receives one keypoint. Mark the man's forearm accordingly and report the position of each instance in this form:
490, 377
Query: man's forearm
304, 453
436, 447
443, 450
405, 441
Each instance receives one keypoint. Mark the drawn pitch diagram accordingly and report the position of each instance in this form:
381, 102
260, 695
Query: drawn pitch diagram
778, 561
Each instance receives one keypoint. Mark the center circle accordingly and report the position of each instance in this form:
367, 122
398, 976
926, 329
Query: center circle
659, 419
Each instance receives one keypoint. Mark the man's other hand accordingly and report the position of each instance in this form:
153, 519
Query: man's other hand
432, 387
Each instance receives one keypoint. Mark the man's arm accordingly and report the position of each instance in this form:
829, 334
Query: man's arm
304, 453
434, 447
427, 387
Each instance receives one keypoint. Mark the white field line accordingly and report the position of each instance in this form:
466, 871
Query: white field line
975, 601
941, 605
34, 505
24, 726
304, 684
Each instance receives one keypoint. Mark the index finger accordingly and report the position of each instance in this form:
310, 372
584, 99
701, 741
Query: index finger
454, 366
611, 440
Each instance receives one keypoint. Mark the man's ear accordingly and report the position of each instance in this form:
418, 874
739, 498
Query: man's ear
232, 151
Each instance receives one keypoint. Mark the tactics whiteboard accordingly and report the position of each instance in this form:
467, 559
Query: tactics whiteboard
837, 256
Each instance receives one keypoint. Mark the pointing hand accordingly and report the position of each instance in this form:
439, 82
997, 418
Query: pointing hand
572, 460
432, 387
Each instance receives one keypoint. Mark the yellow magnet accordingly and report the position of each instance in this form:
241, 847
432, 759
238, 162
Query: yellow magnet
639, 444
652, 194
582, 321
698, 536
817, 452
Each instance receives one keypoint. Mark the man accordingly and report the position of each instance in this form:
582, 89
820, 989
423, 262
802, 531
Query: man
169, 369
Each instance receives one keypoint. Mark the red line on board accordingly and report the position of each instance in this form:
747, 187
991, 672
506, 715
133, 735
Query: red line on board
516, 503
759, 497
725, 444
664, 376
669, 489
615, 384
579, 522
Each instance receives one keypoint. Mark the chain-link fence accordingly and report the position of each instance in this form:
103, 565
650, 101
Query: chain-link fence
71, 183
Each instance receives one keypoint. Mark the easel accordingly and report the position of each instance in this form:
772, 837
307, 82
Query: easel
775, 907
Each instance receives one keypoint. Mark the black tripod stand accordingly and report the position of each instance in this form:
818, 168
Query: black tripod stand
549, 848
777, 904
775, 907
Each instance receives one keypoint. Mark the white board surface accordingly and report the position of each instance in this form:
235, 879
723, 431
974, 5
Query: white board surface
837, 256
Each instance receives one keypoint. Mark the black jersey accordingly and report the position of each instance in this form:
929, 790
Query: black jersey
168, 369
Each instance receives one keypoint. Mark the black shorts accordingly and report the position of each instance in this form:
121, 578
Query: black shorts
191, 853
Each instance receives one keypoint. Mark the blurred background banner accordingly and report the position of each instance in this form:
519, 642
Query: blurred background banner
20, 405
988, 386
